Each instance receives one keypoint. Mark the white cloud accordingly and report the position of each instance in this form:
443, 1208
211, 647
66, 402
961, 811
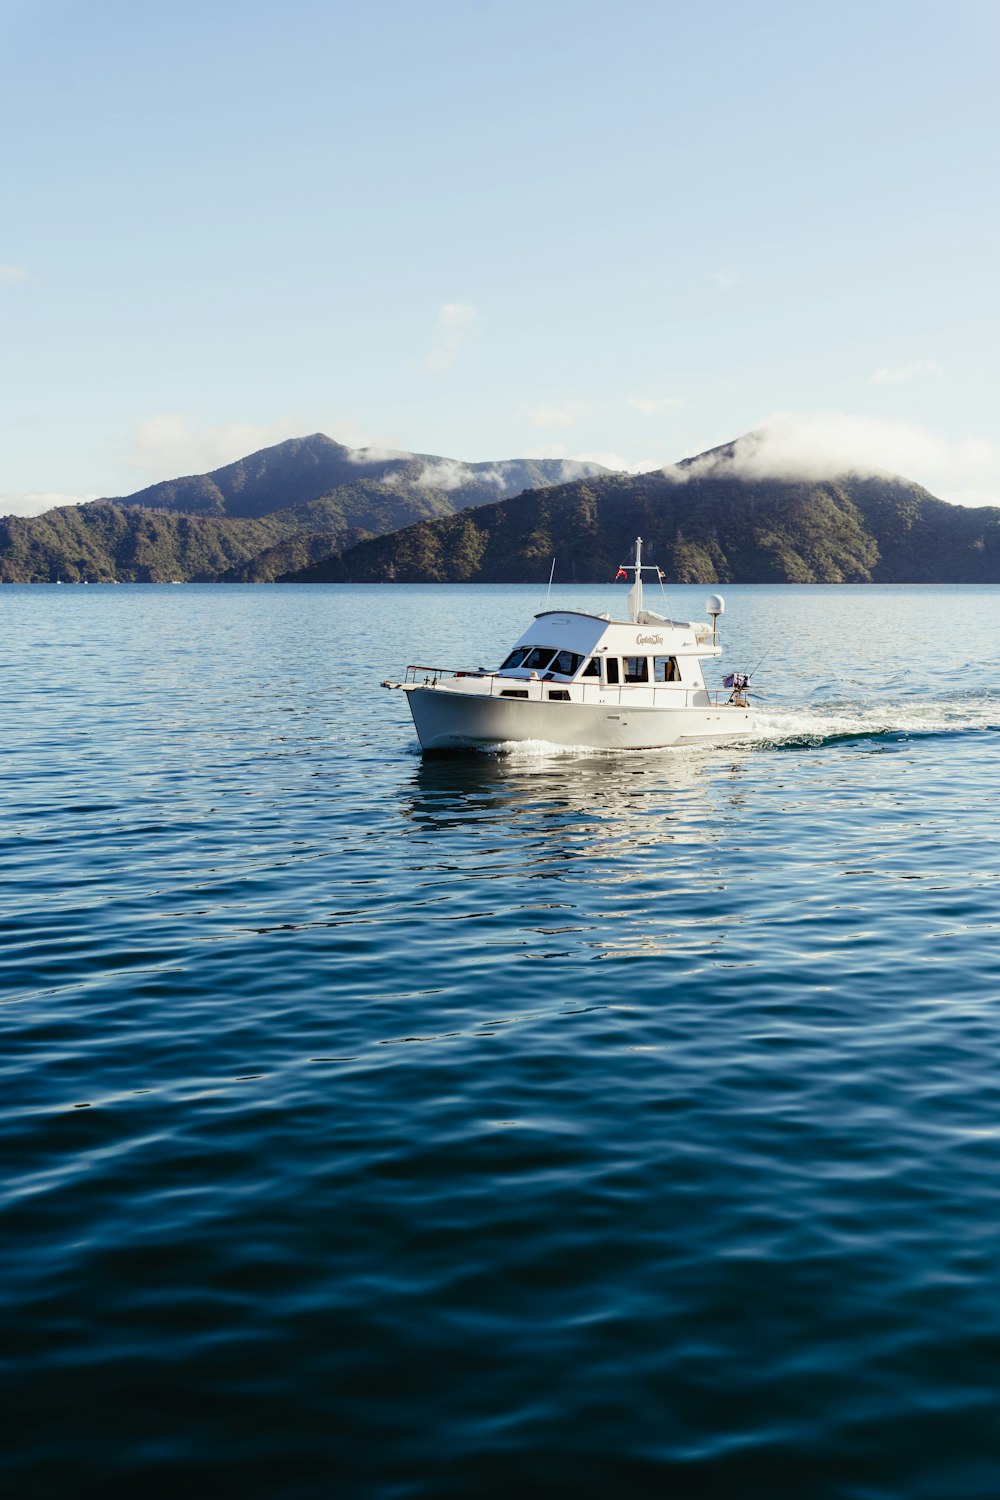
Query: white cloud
650, 405
546, 450
440, 474
455, 322
374, 455
36, 502
828, 445
169, 445
609, 460
558, 416
451, 473
367, 444
578, 468
606, 458
726, 280
13, 273
888, 376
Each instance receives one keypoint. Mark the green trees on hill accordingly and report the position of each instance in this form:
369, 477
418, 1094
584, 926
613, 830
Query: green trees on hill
713, 529
102, 542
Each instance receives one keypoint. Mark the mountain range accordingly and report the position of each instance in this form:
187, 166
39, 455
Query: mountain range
313, 511
704, 520
304, 469
249, 521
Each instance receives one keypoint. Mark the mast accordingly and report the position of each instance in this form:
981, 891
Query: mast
635, 592
634, 604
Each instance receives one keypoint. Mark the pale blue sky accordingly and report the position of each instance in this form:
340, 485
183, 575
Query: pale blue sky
620, 230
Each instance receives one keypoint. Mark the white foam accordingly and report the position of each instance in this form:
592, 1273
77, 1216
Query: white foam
540, 749
842, 719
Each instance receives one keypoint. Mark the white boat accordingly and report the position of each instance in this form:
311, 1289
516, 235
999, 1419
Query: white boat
575, 678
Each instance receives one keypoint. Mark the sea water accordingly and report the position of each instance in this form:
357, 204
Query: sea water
531, 1123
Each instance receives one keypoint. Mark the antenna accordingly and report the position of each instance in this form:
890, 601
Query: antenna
548, 591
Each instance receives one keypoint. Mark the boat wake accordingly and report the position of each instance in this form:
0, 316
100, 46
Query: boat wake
791, 729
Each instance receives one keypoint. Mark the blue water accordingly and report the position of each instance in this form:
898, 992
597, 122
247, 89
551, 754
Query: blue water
551, 1124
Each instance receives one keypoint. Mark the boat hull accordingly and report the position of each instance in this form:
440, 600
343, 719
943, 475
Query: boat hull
459, 721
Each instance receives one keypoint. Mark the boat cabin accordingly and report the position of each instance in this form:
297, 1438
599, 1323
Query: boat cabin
564, 646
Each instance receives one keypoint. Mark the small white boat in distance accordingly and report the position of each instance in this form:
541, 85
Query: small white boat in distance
580, 679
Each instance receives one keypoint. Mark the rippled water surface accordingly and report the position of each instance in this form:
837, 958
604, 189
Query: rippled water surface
542, 1123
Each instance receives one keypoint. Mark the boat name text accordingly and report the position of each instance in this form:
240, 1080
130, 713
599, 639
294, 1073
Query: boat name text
649, 640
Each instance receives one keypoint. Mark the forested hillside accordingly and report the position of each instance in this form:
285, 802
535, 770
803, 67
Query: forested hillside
250, 521
102, 543
719, 528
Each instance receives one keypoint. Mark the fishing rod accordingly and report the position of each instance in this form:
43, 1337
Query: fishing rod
757, 667
748, 676
740, 681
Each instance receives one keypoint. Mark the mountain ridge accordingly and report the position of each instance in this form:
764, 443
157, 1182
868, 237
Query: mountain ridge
286, 505
297, 470
717, 528
409, 517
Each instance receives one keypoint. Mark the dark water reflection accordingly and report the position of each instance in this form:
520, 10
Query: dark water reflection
581, 1125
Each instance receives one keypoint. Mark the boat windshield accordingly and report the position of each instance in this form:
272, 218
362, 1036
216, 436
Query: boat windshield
543, 659
566, 663
532, 658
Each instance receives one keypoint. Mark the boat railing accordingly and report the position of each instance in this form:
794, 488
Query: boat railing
664, 695
431, 676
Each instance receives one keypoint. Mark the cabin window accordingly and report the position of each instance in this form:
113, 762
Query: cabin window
516, 658
665, 669
538, 658
514, 693
636, 668
592, 669
558, 695
566, 663
611, 668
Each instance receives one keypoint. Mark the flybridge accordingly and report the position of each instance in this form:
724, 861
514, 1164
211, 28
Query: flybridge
583, 632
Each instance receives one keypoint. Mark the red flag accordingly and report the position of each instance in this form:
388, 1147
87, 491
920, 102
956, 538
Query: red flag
620, 574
